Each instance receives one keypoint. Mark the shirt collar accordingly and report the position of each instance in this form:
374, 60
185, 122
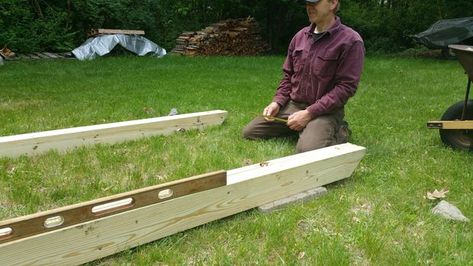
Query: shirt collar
333, 29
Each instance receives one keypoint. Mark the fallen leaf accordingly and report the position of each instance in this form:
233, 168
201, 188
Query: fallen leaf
148, 110
365, 208
437, 194
301, 255
304, 226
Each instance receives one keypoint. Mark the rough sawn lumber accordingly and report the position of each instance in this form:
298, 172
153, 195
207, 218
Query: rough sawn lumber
246, 188
64, 139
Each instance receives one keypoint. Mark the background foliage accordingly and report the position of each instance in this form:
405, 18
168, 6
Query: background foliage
59, 25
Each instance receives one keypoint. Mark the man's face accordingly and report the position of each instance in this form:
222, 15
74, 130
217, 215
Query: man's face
321, 10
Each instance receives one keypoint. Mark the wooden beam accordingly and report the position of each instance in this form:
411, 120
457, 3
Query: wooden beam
454, 124
95, 32
64, 139
246, 188
75, 214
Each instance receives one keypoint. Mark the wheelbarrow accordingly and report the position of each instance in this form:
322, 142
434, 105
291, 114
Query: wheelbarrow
456, 125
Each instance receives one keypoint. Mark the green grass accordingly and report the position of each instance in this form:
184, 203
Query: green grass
379, 216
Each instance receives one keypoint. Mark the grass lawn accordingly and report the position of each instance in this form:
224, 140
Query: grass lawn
378, 216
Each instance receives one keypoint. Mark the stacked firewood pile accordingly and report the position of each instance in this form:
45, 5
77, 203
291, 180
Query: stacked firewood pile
6, 53
228, 37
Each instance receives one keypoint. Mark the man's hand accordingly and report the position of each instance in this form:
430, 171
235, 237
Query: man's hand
271, 110
298, 120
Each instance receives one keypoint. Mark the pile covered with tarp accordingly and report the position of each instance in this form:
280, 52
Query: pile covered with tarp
445, 32
103, 44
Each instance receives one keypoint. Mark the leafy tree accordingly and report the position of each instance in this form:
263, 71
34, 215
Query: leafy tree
55, 25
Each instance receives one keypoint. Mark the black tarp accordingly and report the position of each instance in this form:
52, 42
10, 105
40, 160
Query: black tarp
445, 32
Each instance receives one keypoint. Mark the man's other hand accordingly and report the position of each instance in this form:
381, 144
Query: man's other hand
298, 120
271, 110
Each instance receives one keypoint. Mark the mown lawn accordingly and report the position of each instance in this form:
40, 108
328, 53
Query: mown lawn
378, 216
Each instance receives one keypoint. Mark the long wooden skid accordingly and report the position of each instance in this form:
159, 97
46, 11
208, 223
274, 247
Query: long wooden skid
246, 188
64, 139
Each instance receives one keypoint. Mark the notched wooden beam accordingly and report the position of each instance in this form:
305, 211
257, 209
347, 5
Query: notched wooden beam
65, 139
246, 188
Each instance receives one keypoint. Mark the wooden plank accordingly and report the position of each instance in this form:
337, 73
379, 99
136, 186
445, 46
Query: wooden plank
64, 139
75, 214
116, 31
454, 124
246, 188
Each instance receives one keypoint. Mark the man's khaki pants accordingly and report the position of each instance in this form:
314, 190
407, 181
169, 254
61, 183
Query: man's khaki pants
320, 132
